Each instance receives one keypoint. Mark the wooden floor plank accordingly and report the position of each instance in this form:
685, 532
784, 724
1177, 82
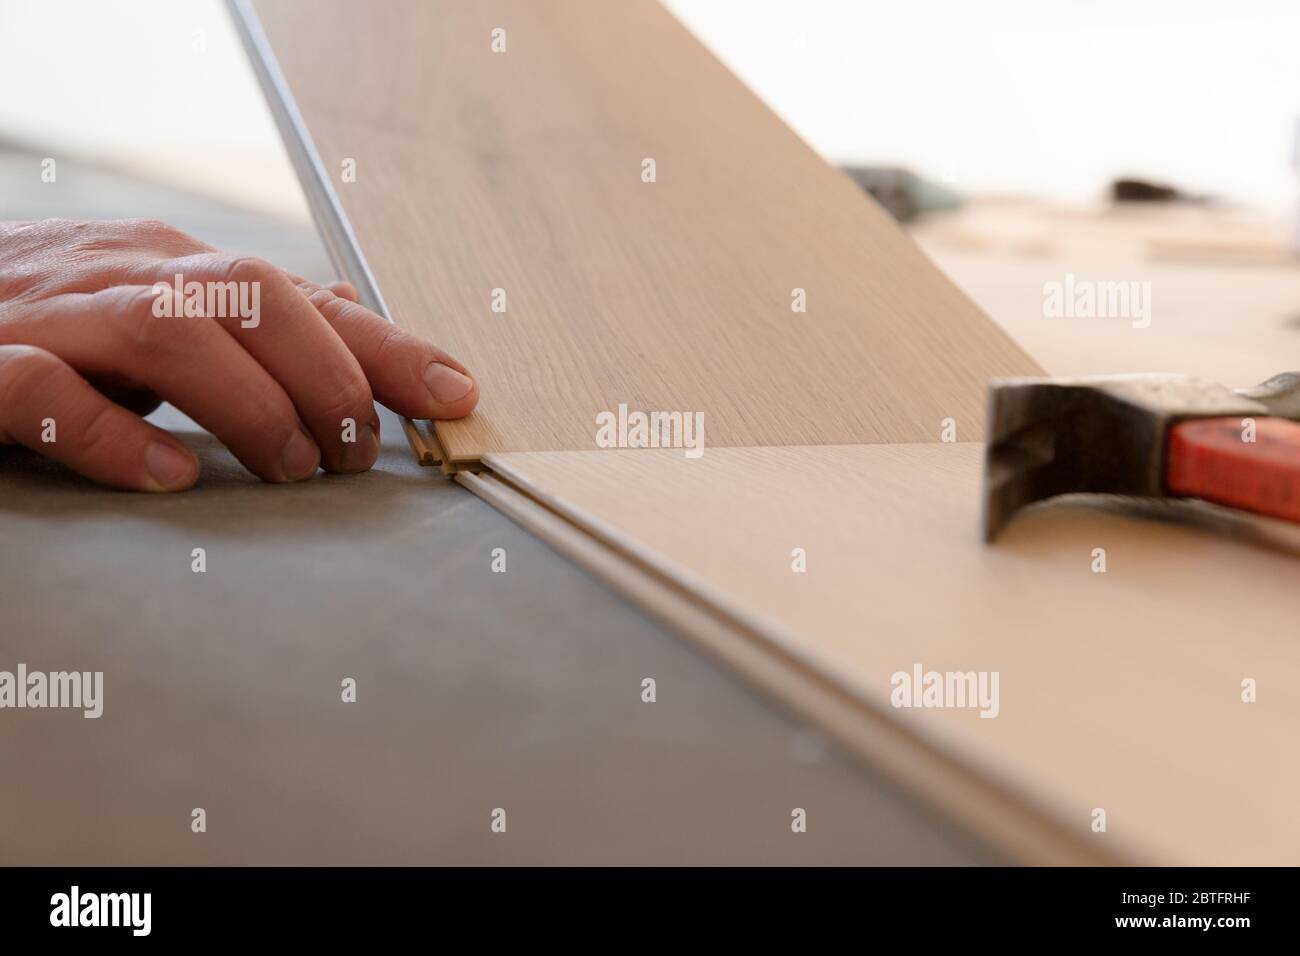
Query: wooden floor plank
1119, 690
1234, 324
522, 171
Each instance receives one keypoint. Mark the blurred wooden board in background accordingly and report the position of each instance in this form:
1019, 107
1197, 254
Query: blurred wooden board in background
1224, 286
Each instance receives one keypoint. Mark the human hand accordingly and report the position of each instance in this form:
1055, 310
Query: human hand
282, 371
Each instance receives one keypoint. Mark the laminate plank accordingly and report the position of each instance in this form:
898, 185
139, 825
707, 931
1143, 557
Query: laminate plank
522, 171
475, 690
1024, 832
1119, 690
1227, 323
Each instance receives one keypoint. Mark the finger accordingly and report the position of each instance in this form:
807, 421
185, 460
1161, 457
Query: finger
49, 408
411, 376
191, 362
341, 288
389, 356
344, 290
288, 337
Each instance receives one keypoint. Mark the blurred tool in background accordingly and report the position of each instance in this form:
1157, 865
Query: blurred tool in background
904, 194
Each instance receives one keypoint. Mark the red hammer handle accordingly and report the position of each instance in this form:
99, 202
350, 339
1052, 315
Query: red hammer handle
1213, 458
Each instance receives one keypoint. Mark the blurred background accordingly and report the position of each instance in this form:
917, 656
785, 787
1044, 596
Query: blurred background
148, 108
1043, 98
1017, 140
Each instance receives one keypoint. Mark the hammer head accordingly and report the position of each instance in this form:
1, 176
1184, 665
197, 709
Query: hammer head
1103, 435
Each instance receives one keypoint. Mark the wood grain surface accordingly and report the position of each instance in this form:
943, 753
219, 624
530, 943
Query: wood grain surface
522, 171
1119, 690
1227, 323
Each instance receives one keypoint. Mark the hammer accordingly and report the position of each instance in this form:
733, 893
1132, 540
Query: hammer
1161, 436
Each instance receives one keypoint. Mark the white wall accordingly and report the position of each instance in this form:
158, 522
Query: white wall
1052, 97
158, 86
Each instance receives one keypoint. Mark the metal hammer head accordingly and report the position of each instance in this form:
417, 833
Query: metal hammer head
1103, 435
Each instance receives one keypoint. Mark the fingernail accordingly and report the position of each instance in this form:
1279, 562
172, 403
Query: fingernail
300, 457
446, 384
169, 467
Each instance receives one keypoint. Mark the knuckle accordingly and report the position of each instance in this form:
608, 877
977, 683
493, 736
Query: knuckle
350, 398
251, 279
391, 338
152, 227
153, 331
97, 435
156, 233
323, 299
25, 369
267, 425
26, 363
247, 269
